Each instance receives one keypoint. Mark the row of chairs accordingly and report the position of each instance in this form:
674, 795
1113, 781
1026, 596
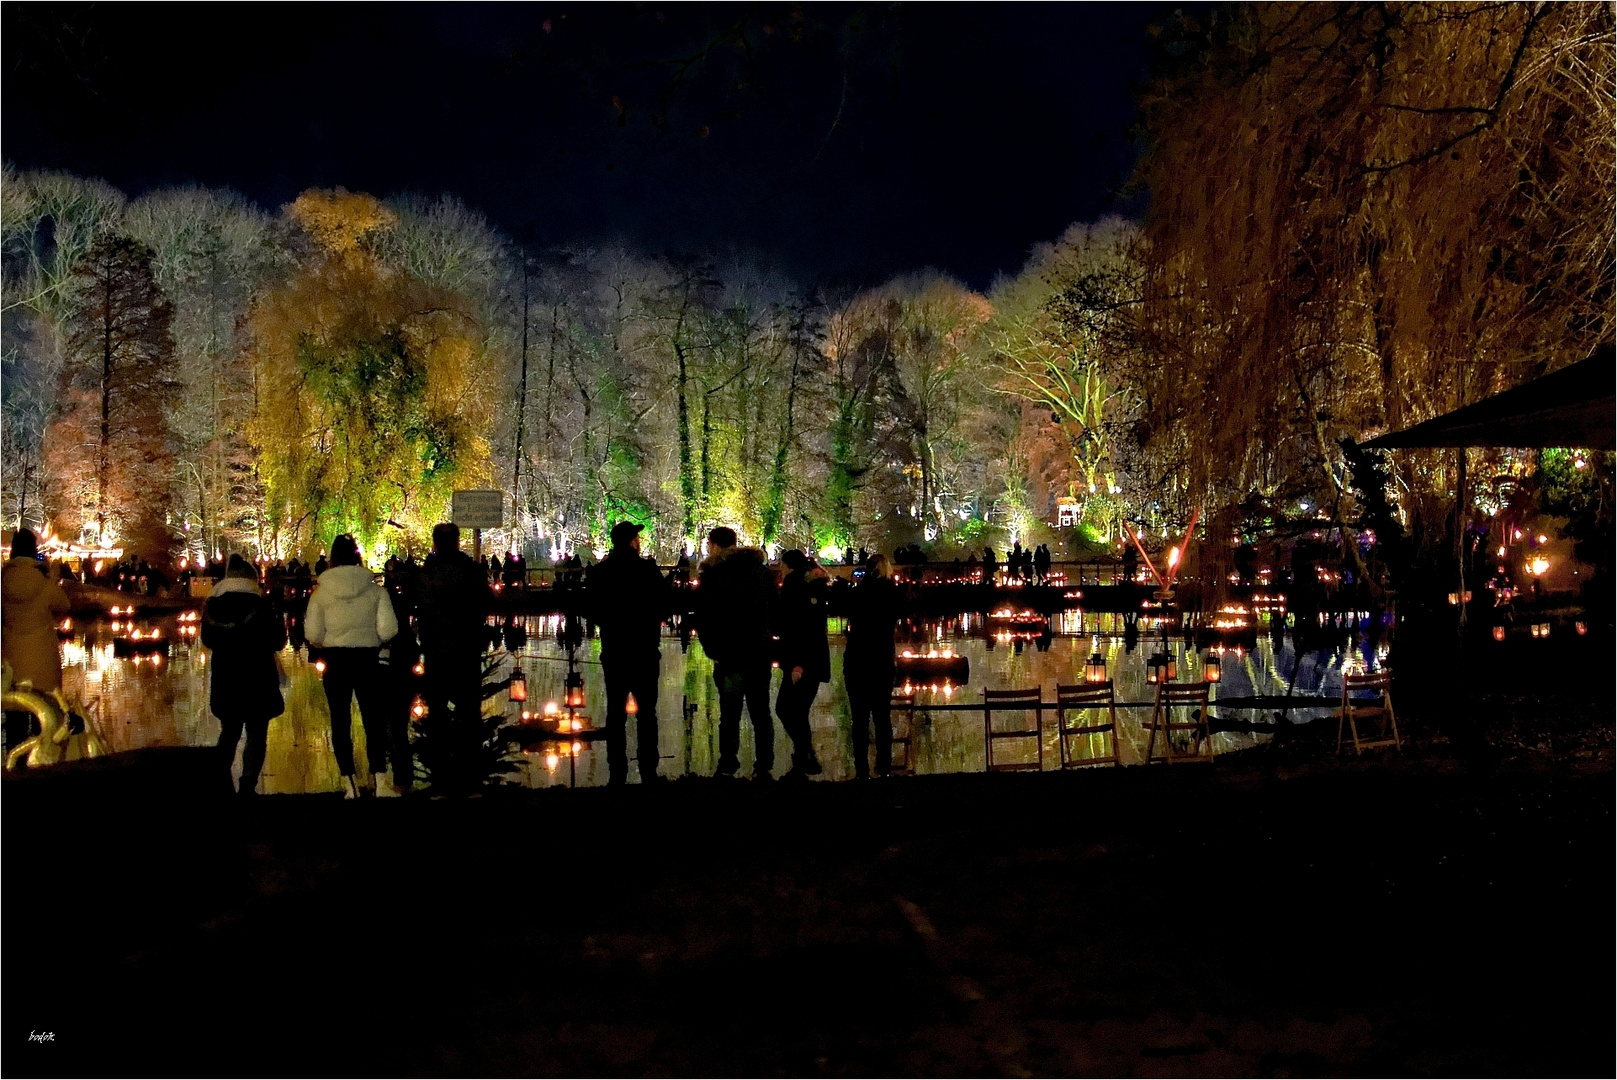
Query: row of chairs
1084, 710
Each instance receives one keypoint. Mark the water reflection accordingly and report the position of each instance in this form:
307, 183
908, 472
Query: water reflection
159, 697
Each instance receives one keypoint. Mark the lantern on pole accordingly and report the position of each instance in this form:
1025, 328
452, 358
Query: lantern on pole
1213, 670
573, 695
518, 688
1095, 670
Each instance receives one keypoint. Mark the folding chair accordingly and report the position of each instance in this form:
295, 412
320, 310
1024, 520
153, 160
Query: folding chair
1188, 696
904, 703
1378, 708
1086, 697
1023, 701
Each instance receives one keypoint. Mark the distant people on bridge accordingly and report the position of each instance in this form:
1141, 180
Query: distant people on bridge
451, 615
244, 633
990, 565
628, 600
1041, 564
348, 620
805, 655
867, 665
735, 598
31, 605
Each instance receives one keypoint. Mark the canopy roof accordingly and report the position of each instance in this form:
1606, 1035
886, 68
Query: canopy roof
1576, 406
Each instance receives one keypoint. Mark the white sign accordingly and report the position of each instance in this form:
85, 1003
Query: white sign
482, 508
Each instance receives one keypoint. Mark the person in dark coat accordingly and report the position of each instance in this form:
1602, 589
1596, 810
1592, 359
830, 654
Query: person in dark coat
1041, 564
867, 665
805, 655
244, 634
453, 608
628, 600
735, 597
398, 684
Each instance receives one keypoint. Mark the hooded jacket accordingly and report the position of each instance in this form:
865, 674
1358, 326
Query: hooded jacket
30, 604
735, 601
348, 610
244, 633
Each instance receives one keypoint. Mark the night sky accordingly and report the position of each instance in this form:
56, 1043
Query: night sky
841, 143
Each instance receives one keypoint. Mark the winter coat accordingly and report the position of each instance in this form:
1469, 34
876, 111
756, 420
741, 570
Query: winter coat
454, 604
348, 610
244, 633
873, 611
803, 600
30, 605
628, 599
735, 599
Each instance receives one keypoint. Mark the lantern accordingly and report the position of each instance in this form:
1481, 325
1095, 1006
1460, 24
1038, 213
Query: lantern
1499, 633
574, 691
1454, 599
1581, 627
320, 665
518, 689
1213, 670
631, 706
1170, 669
1095, 670
1155, 668
418, 707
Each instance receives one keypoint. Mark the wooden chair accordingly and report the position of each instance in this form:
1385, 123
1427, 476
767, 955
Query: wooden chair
1086, 697
1378, 708
904, 703
1171, 696
1023, 701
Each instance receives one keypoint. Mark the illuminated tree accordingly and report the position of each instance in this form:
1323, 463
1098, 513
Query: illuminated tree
212, 252
1363, 215
368, 414
109, 450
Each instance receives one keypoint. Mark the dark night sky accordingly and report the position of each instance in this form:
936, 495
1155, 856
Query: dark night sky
839, 143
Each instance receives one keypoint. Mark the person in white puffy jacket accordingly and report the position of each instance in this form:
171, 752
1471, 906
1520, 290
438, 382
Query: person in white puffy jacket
350, 617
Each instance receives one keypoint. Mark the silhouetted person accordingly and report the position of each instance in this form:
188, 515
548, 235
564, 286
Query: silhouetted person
244, 684
628, 600
867, 665
349, 619
990, 565
399, 683
805, 655
453, 608
1131, 563
734, 598
320, 565
1041, 563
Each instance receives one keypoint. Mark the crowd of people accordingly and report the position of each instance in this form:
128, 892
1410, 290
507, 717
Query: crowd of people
421, 632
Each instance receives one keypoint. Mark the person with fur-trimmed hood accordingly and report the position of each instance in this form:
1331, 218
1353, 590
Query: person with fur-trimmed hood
349, 618
244, 633
735, 600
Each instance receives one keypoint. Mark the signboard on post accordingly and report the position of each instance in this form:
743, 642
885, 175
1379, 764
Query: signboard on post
480, 508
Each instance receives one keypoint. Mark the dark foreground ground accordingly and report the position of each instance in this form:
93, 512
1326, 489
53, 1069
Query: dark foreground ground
1285, 914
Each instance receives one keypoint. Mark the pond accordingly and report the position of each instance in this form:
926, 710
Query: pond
160, 698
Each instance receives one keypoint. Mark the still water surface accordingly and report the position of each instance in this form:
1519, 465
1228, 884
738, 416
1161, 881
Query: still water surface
163, 701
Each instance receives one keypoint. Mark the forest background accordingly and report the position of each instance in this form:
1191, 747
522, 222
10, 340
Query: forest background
1359, 216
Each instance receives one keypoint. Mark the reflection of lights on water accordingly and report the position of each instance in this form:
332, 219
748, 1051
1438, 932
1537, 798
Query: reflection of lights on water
552, 759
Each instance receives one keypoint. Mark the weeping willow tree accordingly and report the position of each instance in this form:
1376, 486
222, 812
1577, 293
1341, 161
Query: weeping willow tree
367, 413
1362, 215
